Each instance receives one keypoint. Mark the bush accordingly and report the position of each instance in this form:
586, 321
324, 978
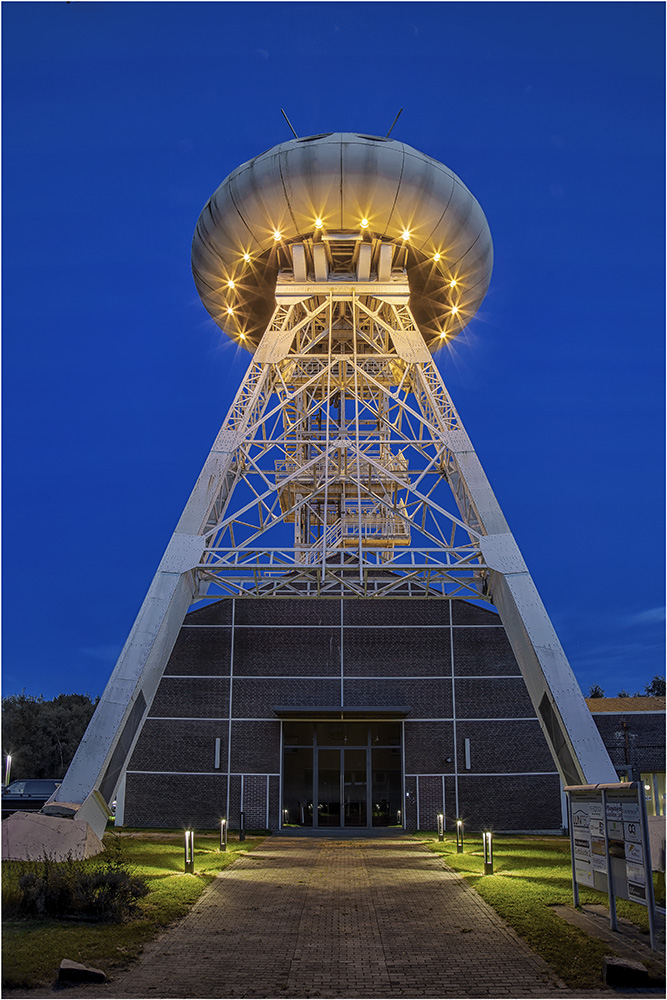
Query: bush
107, 890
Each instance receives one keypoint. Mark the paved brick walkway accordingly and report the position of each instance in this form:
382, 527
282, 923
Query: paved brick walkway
301, 918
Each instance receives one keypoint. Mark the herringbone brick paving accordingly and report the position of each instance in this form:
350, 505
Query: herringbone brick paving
302, 918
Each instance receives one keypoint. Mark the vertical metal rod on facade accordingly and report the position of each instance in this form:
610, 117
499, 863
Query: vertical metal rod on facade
648, 866
613, 923
575, 887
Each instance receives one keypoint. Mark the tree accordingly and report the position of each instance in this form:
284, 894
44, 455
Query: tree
656, 688
42, 736
623, 694
595, 691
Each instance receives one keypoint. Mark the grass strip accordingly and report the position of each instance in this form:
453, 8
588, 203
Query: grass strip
531, 875
32, 950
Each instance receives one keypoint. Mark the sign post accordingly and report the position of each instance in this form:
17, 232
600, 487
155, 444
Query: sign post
609, 845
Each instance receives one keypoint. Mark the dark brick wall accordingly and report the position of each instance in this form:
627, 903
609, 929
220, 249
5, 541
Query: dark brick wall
493, 698
175, 745
510, 803
430, 801
386, 612
202, 697
400, 665
255, 697
276, 651
427, 747
287, 612
497, 746
390, 652
256, 747
471, 614
201, 651
645, 740
479, 651
175, 800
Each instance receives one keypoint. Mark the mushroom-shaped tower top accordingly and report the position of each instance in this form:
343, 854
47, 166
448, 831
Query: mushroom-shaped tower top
372, 189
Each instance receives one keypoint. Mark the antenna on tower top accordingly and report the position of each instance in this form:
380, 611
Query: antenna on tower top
392, 124
290, 124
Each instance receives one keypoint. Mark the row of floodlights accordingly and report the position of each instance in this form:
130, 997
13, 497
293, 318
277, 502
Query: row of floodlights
487, 840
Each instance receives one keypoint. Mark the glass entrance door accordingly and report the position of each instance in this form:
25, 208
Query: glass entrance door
328, 783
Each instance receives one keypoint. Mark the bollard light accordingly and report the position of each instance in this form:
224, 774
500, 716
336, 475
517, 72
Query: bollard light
241, 825
285, 817
459, 836
441, 827
8, 768
189, 852
223, 834
488, 853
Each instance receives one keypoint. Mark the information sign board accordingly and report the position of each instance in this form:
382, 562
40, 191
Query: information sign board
610, 845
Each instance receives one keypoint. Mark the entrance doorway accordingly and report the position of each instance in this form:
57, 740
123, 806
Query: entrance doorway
342, 775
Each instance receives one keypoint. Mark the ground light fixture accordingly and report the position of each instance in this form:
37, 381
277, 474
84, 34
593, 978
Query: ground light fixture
189, 852
459, 836
488, 852
8, 768
223, 834
441, 827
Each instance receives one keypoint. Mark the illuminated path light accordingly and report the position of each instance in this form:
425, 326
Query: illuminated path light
342, 469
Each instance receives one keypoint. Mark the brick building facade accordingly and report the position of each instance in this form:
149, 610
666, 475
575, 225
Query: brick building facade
320, 714
633, 731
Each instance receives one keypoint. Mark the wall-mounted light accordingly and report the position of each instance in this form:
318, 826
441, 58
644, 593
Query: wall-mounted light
223, 834
364, 223
459, 836
276, 235
318, 223
488, 852
405, 235
189, 852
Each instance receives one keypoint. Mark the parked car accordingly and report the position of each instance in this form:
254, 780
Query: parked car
28, 794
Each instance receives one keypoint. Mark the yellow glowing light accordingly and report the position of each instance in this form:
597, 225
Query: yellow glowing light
436, 256
230, 284
230, 311
364, 223
242, 336
444, 333
276, 235
452, 283
246, 257
318, 223
455, 309
405, 235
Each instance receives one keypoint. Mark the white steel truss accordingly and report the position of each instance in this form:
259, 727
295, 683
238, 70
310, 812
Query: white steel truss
342, 470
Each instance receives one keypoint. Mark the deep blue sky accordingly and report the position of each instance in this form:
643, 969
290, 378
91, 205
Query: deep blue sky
120, 119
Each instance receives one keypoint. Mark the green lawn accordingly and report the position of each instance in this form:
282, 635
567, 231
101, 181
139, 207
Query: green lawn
32, 950
531, 874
